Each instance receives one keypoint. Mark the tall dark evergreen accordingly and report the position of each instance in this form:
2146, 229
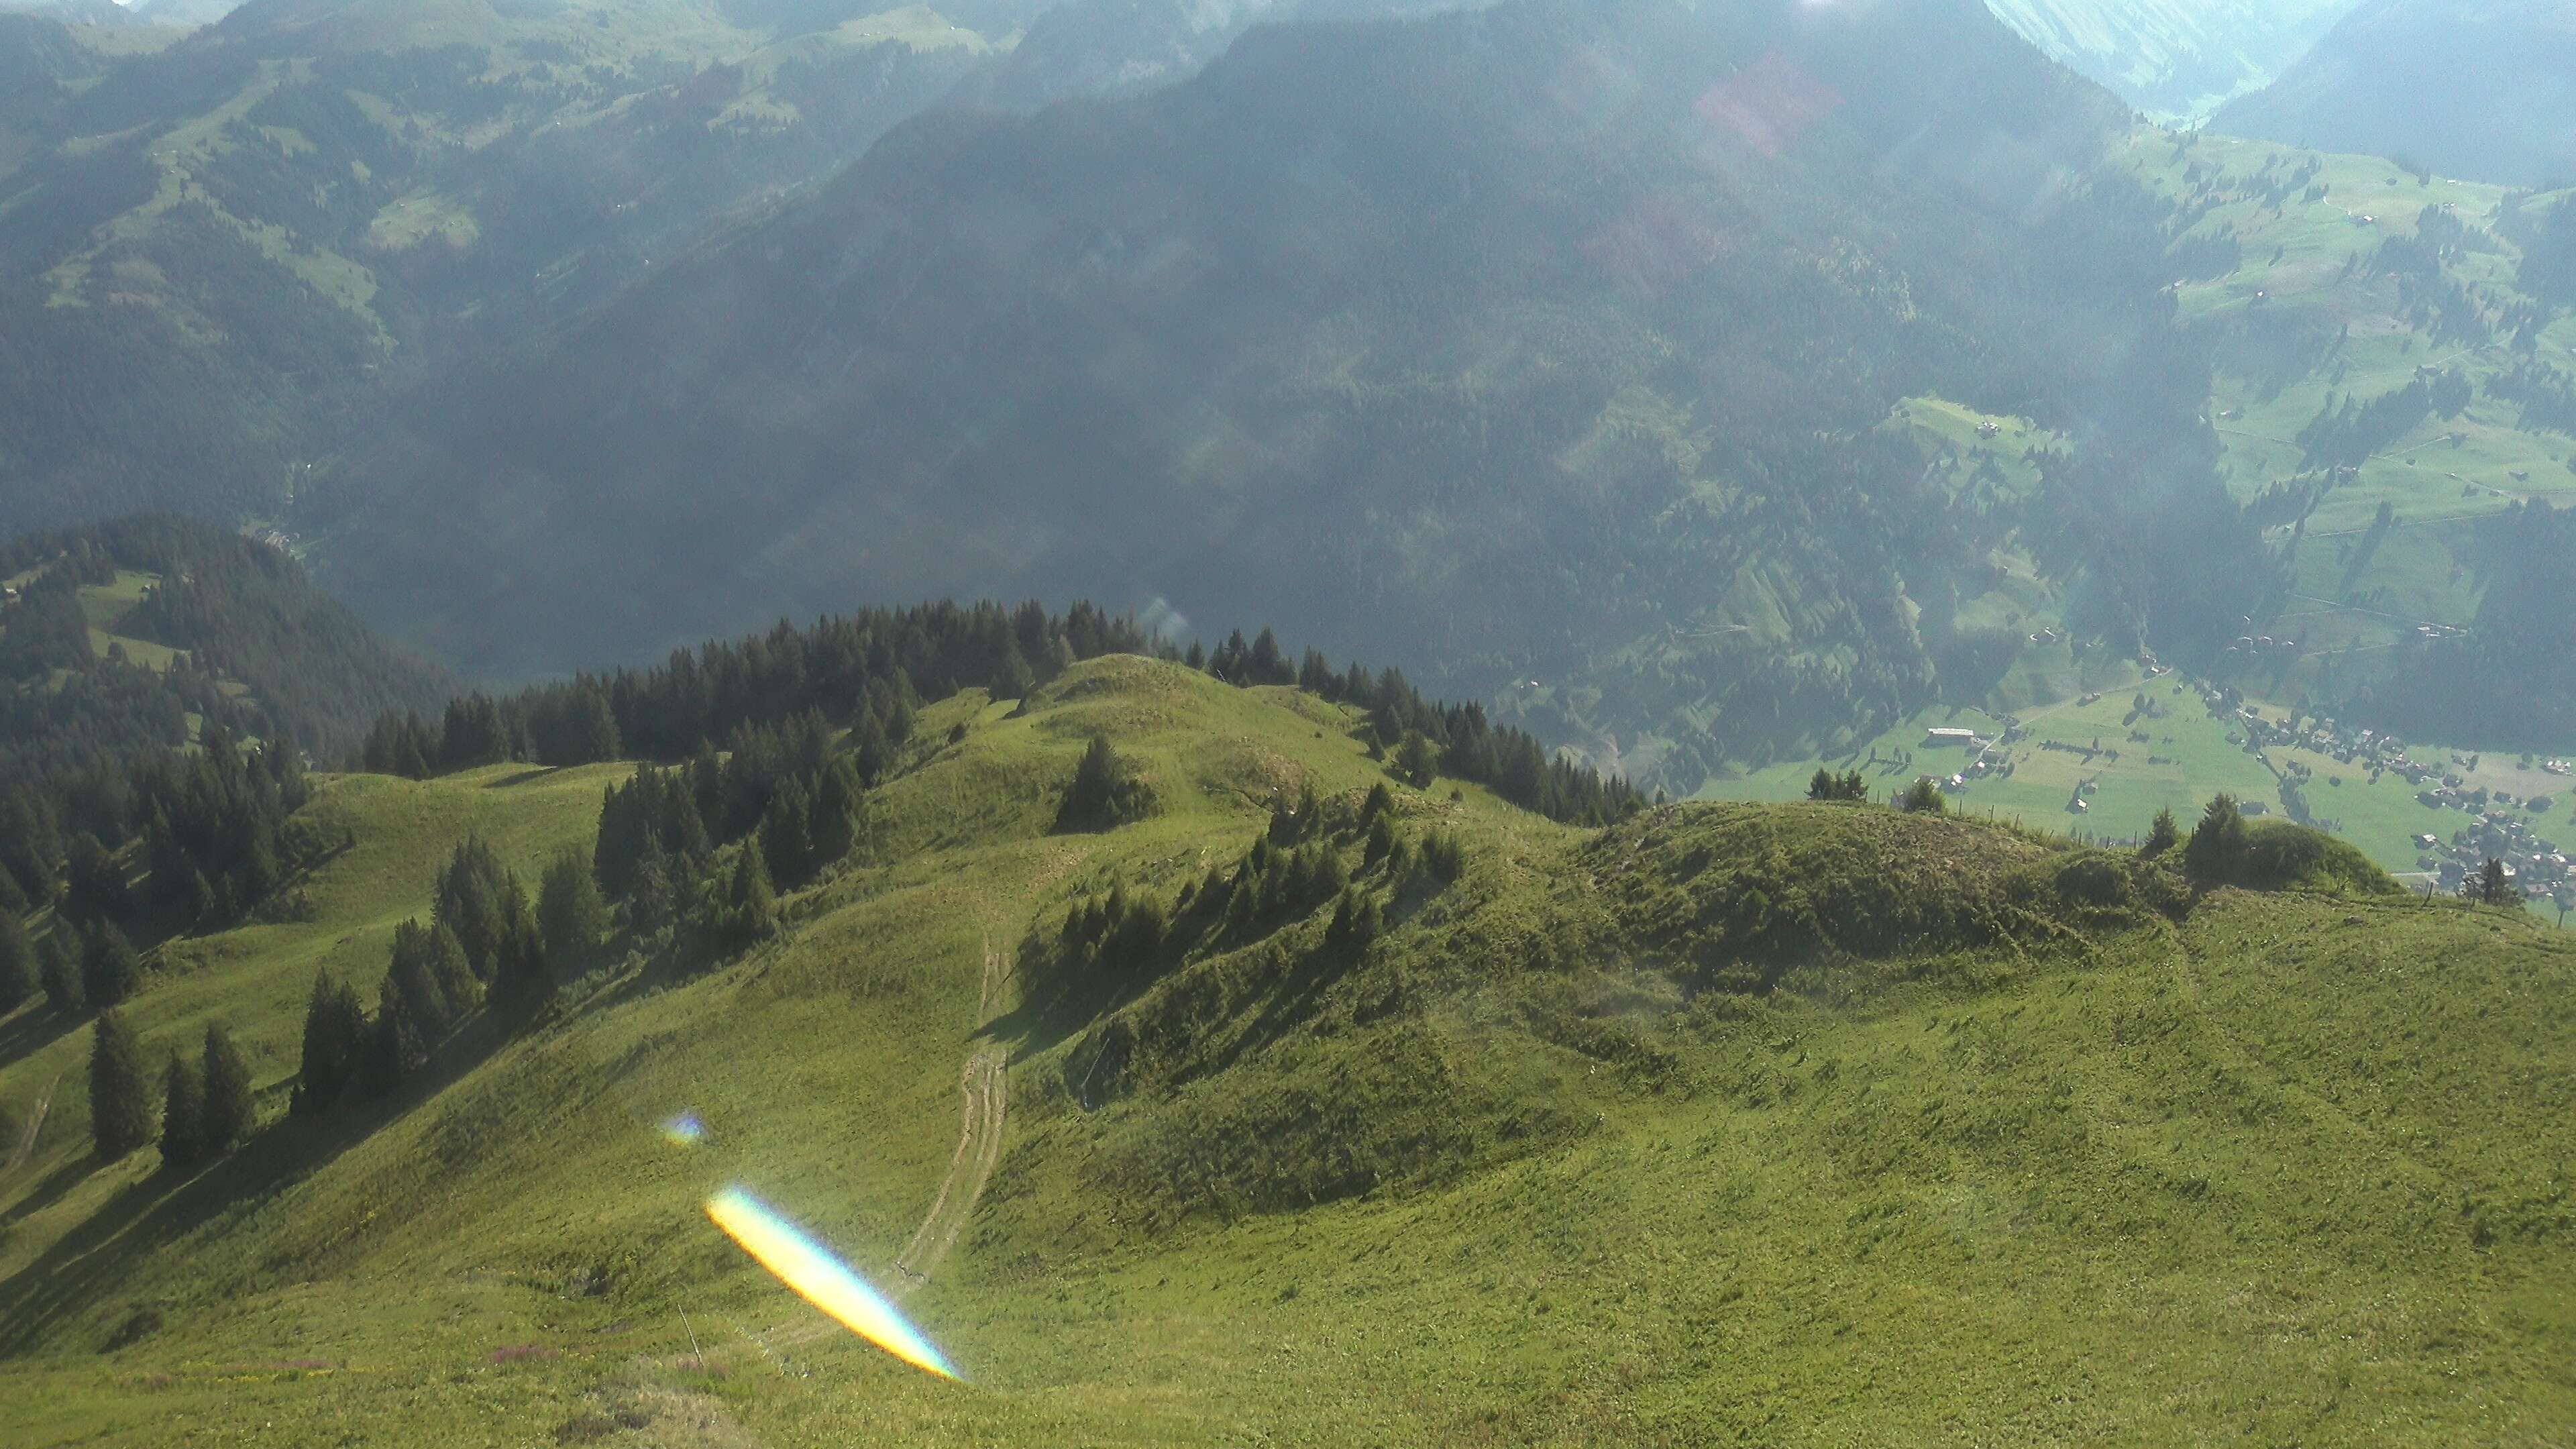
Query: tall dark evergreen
18, 970
111, 971
58, 967
183, 1112
2220, 848
335, 1035
1105, 792
230, 1112
750, 898
571, 914
120, 1090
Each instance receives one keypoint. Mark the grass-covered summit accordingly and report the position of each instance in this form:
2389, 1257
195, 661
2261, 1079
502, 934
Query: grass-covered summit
1323, 1108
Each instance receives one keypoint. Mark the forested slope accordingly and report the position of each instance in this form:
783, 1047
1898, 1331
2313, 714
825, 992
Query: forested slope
1553, 350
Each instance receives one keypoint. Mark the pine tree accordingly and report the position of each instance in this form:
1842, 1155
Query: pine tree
785, 837
571, 914
1415, 763
183, 1113
110, 971
120, 1094
229, 1111
17, 964
834, 827
58, 968
2163, 835
395, 1048
751, 900
2219, 849
335, 1030
1104, 794
2493, 888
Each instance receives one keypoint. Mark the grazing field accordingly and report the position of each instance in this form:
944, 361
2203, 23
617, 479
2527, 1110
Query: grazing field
1979, 1139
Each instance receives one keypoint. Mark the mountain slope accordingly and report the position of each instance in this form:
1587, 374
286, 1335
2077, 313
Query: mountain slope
2175, 58
2479, 89
138, 634
2000, 1144
1556, 349
215, 256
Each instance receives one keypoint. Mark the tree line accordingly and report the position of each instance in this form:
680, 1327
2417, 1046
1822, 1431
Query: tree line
873, 668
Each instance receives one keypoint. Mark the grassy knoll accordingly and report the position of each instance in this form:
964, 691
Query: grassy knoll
1958, 1136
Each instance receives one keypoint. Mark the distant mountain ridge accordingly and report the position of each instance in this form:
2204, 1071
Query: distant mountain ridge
1553, 349
2175, 59
2484, 90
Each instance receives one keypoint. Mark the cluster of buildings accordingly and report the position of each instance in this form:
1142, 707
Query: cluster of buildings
2535, 866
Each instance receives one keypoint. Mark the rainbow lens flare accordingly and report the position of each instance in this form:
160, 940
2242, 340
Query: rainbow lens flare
685, 1130
821, 1279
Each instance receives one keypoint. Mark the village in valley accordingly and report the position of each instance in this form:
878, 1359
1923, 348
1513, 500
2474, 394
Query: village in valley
2101, 764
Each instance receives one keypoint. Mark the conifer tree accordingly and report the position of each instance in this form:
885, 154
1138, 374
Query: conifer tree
58, 969
2491, 886
785, 835
2163, 835
110, 971
335, 1030
229, 1111
751, 899
120, 1095
2218, 850
834, 828
395, 1048
183, 1113
1415, 763
17, 963
571, 915
1105, 794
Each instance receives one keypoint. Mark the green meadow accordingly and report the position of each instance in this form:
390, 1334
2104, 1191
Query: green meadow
1964, 1136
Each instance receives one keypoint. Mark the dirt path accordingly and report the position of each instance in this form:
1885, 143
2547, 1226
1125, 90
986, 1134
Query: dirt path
979, 1143
26, 1142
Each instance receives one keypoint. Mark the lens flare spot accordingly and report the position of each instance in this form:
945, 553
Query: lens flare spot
821, 1279
685, 1130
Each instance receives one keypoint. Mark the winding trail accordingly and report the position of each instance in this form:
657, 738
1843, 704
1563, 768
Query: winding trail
26, 1142
979, 1142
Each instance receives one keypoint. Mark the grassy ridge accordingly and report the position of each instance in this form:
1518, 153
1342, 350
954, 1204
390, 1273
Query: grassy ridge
2272, 1167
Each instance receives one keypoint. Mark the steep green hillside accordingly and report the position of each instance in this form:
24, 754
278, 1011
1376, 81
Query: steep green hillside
2393, 396
2472, 88
1807, 1124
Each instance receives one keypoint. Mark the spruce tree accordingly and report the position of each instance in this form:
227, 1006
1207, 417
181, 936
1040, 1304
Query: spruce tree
2492, 888
17, 964
110, 971
2218, 850
394, 1047
751, 899
785, 835
571, 914
2163, 835
334, 1034
120, 1092
834, 827
229, 1111
58, 968
183, 1113
1104, 794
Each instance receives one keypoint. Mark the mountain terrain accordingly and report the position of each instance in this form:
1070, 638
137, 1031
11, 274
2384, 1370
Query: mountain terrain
139, 634
2175, 60
2479, 89
1313, 1103
1569, 370
218, 254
